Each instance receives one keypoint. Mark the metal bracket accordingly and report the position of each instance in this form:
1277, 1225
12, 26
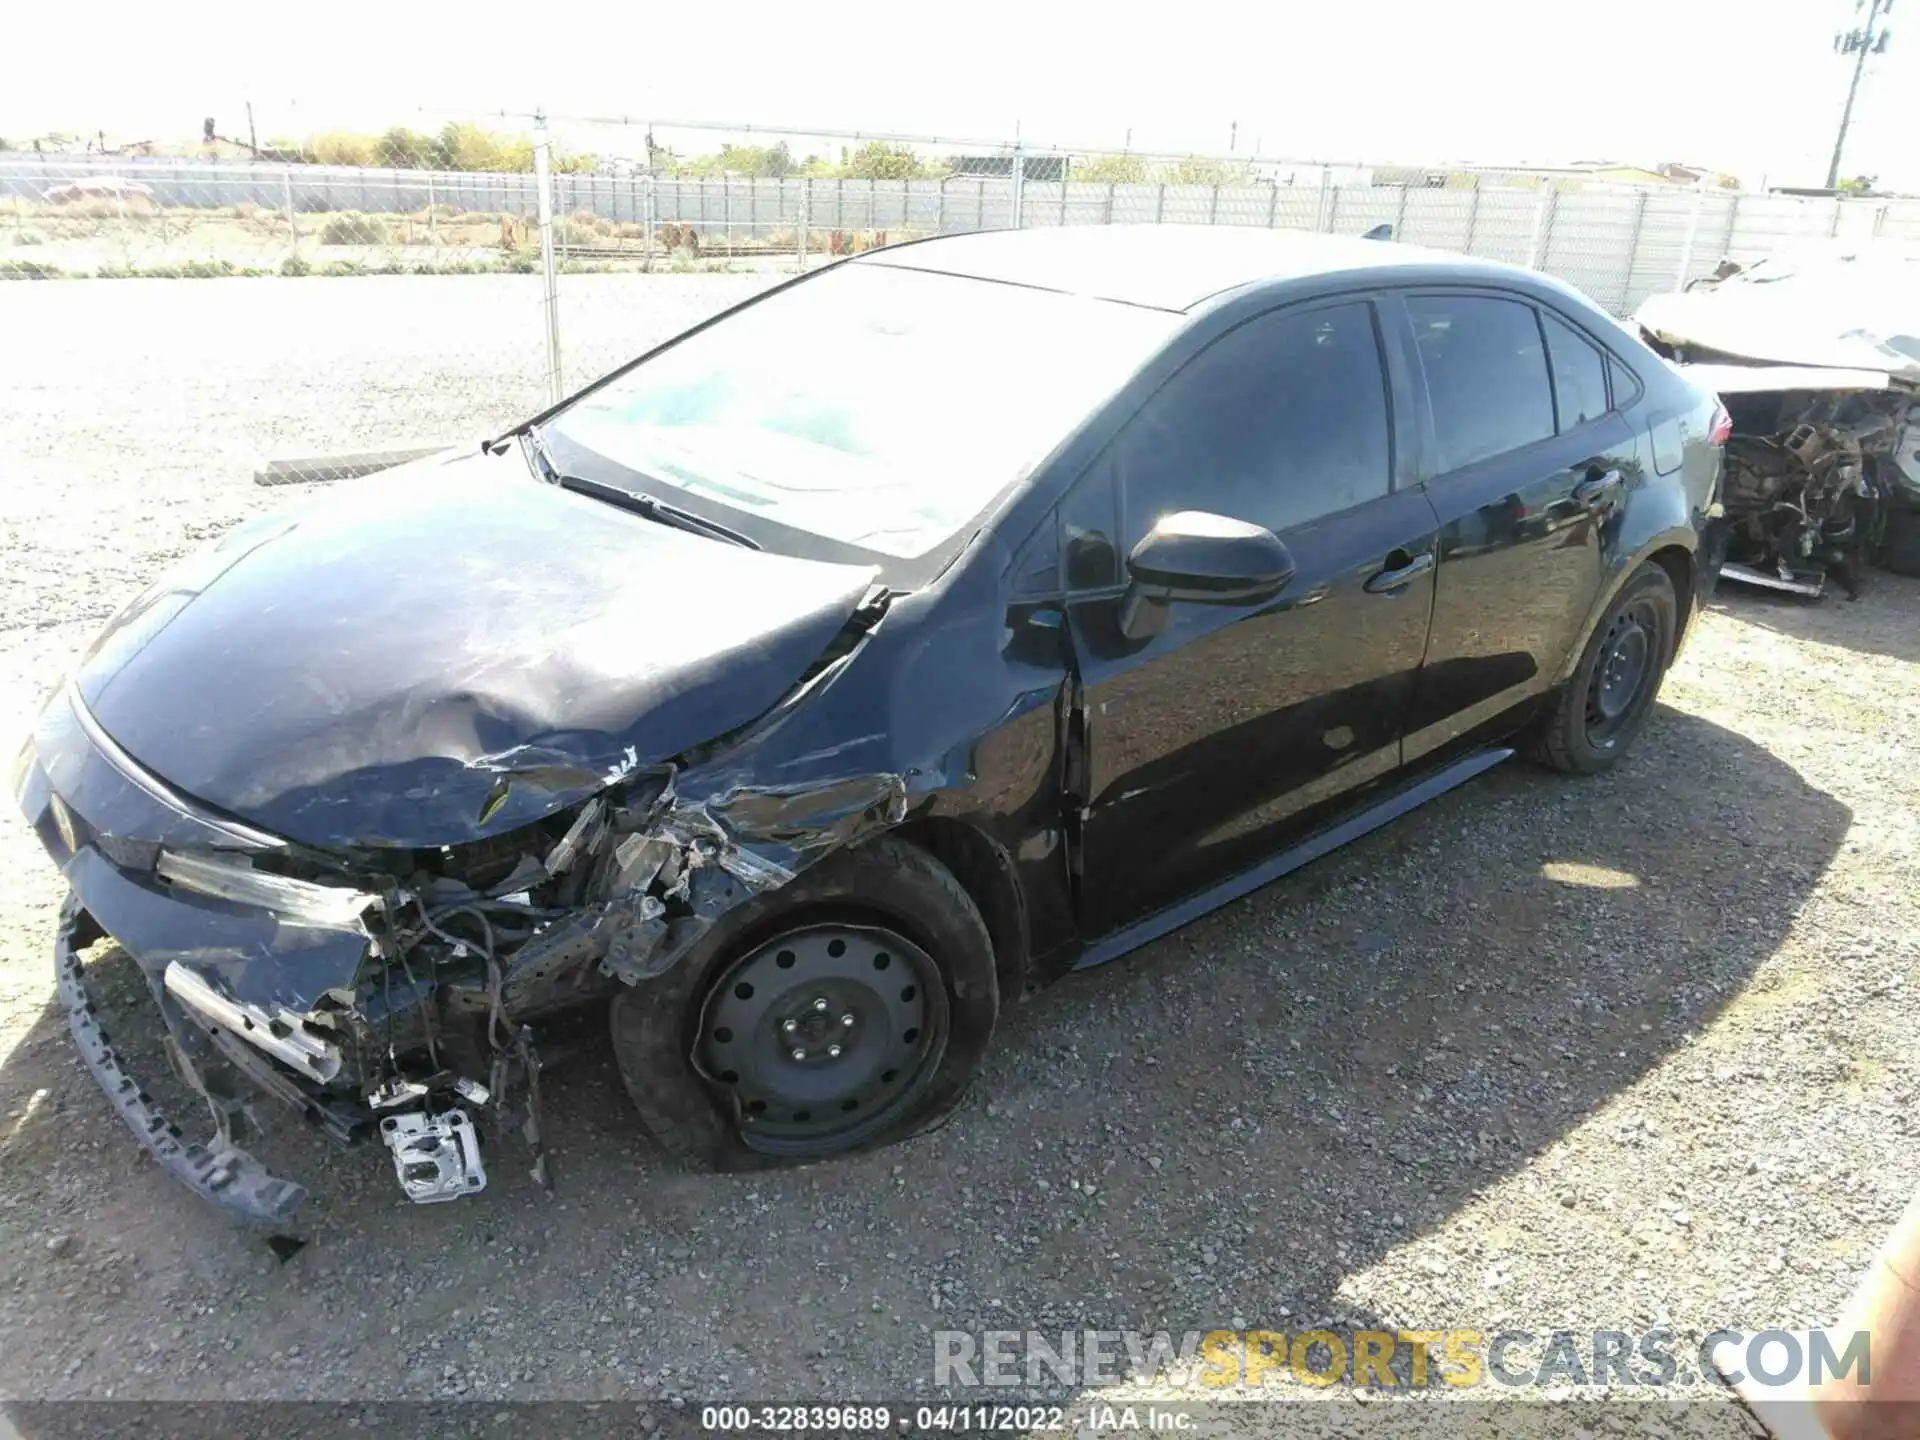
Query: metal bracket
437, 1157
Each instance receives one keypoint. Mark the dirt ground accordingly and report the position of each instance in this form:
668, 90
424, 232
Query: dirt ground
1620, 1053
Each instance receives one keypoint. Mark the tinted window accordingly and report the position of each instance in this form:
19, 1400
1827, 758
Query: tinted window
1486, 375
1626, 389
1579, 373
1278, 422
1087, 532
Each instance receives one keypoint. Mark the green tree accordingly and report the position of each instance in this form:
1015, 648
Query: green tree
1204, 172
1110, 170
877, 160
1859, 185
404, 149
338, 147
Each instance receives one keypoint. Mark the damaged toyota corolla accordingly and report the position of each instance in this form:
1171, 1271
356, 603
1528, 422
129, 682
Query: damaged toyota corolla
1817, 356
814, 686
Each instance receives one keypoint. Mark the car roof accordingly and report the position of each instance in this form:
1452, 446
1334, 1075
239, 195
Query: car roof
1167, 267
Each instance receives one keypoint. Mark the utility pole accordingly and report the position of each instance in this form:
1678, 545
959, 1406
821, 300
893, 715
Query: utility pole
253, 140
1858, 43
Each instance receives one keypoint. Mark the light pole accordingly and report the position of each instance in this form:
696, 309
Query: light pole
1858, 43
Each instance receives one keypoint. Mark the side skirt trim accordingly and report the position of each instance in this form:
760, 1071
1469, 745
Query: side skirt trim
1392, 807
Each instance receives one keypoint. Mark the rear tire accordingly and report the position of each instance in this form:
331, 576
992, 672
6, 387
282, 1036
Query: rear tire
887, 936
1596, 715
1901, 554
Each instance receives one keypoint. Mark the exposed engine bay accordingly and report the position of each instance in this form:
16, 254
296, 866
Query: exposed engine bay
1812, 485
1816, 357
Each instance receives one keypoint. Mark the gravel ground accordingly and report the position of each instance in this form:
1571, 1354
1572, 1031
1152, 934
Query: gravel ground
1546, 1054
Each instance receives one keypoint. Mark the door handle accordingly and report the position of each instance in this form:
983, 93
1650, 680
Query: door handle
1596, 490
1398, 578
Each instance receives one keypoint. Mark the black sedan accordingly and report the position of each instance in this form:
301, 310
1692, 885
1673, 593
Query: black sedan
816, 685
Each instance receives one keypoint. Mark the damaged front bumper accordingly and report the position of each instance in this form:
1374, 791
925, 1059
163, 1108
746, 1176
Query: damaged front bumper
389, 994
219, 1172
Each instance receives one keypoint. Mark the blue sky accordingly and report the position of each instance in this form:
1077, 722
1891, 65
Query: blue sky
1750, 87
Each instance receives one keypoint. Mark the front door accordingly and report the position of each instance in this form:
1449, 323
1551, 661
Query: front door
1238, 729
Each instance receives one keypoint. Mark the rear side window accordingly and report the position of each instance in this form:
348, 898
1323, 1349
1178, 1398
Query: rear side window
1626, 389
1579, 373
1486, 372
1278, 422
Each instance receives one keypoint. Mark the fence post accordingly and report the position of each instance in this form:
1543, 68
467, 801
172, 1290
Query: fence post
432, 232
1273, 203
1633, 254
1320, 205
1473, 218
543, 209
1879, 218
940, 215
647, 211
286, 194
1693, 231
1109, 219
1213, 207
806, 208
1833, 225
1160, 205
1015, 193
1542, 227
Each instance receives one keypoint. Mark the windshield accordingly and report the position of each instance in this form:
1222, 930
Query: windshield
875, 406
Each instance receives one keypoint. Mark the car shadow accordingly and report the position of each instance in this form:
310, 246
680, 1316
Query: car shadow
1880, 622
1218, 1131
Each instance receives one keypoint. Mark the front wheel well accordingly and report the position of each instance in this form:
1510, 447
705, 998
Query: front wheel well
986, 874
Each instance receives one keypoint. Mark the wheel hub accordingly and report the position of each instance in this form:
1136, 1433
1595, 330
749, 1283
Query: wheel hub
821, 1031
1620, 677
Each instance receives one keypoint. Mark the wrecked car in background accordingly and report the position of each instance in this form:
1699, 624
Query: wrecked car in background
1817, 358
748, 696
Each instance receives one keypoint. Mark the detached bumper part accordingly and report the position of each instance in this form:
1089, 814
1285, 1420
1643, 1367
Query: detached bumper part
218, 1172
436, 1157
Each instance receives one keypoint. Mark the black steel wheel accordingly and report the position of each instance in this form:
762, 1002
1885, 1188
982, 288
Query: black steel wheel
921, 1021
1594, 717
1628, 663
825, 1034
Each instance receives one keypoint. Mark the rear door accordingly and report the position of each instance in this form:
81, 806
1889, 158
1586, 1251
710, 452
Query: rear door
1238, 729
1528, 462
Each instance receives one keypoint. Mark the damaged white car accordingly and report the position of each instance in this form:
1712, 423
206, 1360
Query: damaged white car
1817, 359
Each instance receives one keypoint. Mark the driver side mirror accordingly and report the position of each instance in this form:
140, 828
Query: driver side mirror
1202, 559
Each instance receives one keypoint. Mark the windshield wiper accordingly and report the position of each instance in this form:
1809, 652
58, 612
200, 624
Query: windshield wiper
536, 445
658, 511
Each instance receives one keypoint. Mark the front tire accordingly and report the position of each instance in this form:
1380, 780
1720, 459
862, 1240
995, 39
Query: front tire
732, 1060
1599, 712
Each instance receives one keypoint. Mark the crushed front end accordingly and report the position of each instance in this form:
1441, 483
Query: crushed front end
1813, 480
389, 994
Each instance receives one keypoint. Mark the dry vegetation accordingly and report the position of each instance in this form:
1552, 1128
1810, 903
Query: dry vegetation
115, 239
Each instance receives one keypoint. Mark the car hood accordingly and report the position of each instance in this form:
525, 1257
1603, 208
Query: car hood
1850, 328
447, 651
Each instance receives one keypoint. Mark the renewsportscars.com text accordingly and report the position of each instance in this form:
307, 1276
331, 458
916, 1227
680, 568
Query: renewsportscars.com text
1455, 1358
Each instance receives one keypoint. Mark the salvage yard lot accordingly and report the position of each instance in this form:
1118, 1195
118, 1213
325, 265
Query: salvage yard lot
1546, 1054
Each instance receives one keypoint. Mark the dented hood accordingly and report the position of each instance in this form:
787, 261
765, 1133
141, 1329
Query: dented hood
1853, 307
447, 651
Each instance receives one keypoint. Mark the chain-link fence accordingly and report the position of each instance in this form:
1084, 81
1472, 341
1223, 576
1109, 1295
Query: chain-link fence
580, 219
